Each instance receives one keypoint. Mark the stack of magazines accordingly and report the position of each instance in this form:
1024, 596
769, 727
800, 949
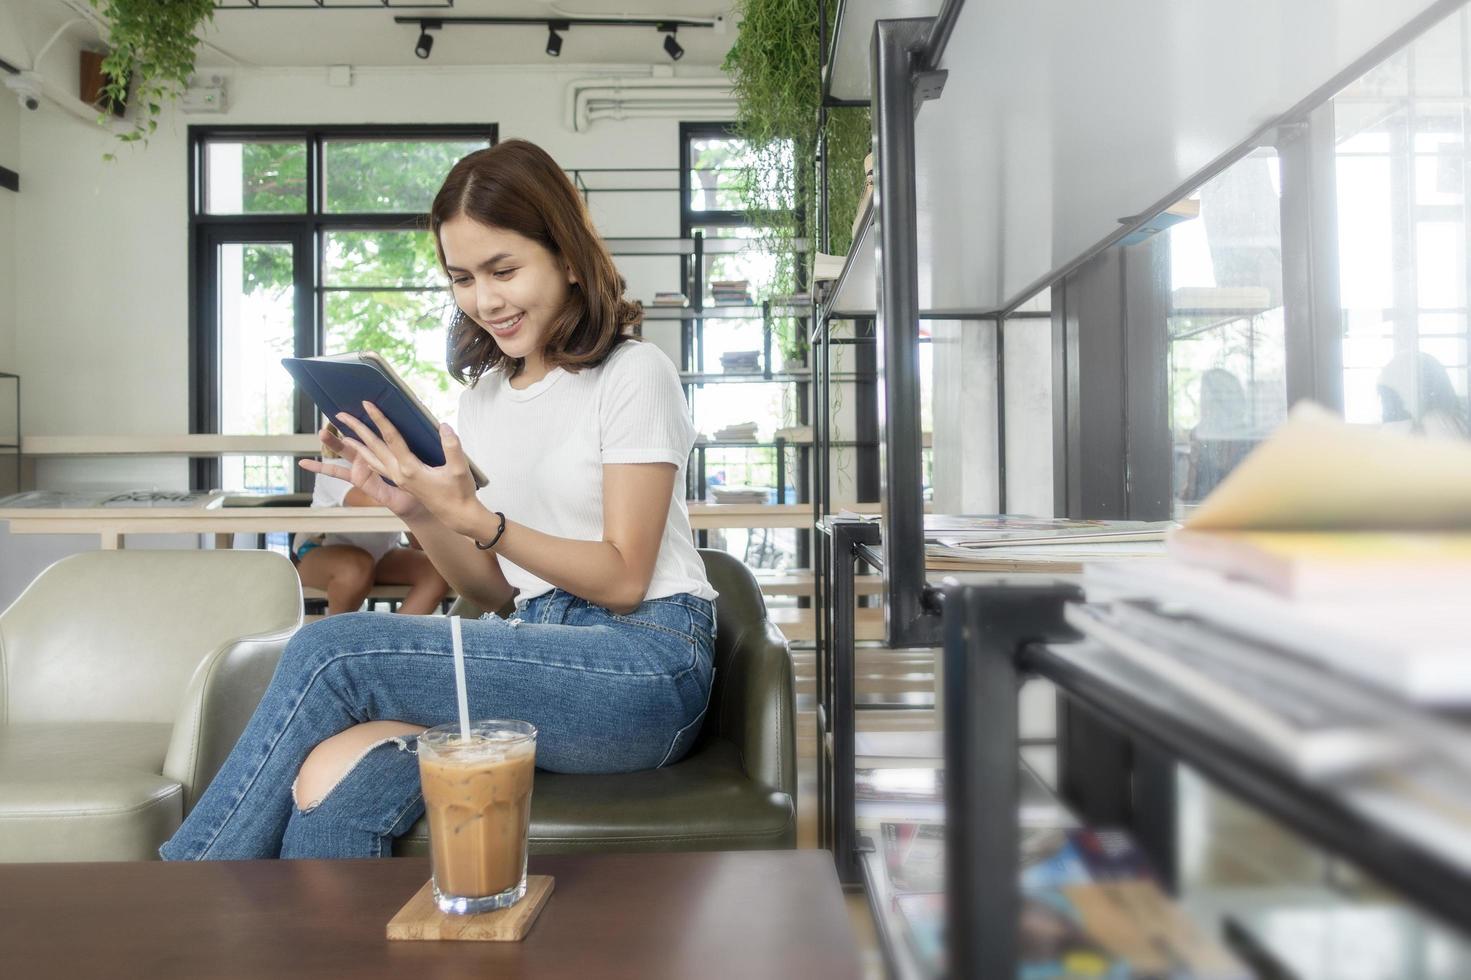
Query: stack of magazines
670, 299
1091, 906
1313, 612
741, 362
1312, 570
736, 494
731, 292
1008, 543
736, 432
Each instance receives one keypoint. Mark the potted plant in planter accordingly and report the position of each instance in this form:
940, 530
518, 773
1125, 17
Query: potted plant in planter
775, 72
152, 41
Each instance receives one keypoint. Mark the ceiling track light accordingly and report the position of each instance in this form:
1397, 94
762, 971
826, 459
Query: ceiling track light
671, 46
425, 44
554, 40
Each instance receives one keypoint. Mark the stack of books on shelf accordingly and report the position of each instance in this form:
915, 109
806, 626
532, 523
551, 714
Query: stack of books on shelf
797, 300
731, 292
670, 299
1091, 906
741, 362
795, 433
1314, 609
1013, 543
738, 494
739, 432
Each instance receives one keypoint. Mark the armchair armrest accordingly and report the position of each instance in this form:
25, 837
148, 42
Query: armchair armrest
219, 701
757, 709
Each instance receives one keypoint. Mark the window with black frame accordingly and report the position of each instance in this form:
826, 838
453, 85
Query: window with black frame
305, 242
1402, 152
750, 387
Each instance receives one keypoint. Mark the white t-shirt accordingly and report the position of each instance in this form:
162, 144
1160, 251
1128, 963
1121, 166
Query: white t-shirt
543, 450
330, 491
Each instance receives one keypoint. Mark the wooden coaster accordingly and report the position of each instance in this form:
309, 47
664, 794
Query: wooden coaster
421, 918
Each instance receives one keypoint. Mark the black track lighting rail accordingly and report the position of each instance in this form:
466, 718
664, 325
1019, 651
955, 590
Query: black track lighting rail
424, 46
560, 23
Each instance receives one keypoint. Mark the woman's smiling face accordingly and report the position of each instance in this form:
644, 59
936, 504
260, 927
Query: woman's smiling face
511, 286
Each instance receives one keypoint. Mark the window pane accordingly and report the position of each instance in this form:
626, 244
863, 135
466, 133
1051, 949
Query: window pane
397, 306
755, 268
381, 258
409, 328
719, 174
257, 329
258, 177
388, 176
1402, 156
724, 406
1227, 355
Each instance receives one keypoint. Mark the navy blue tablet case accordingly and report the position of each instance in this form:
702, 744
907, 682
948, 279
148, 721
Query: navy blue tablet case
343, 386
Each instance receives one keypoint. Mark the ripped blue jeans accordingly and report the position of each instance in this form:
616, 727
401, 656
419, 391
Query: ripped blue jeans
608, 693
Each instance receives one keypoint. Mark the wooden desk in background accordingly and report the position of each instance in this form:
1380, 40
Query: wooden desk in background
113, 524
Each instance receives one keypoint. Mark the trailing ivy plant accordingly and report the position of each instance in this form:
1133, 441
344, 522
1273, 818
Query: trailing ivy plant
152, 41
775, 73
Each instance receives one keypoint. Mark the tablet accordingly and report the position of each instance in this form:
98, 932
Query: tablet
342, 382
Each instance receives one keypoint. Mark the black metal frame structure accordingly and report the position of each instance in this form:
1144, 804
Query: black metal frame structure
302, 230
1111, 460
692, 341
997, 635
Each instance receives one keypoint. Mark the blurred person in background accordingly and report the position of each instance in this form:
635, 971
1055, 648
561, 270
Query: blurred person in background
1416, 394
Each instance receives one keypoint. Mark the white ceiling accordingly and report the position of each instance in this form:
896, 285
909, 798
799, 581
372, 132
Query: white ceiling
281, 38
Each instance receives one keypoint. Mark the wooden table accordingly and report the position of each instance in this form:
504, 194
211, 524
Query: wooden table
113, 524
744, 914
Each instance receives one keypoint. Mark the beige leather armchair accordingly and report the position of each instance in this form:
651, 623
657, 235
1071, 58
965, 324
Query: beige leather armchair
125, 679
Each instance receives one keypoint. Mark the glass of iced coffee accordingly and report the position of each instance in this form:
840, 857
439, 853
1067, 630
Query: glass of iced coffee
477, 792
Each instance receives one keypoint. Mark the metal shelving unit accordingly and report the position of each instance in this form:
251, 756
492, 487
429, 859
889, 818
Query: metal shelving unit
997, 635
965, 167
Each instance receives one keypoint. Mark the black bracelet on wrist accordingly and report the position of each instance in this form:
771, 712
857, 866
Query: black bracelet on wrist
498, 532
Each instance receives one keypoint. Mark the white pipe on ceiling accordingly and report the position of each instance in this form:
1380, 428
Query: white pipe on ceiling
581, 91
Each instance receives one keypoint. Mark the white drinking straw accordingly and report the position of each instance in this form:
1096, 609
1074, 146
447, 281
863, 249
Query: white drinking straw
460, 695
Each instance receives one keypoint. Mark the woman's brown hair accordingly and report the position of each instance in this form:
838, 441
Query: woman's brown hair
517, 186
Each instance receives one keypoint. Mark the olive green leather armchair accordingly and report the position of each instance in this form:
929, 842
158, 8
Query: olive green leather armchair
125, 679
737, 787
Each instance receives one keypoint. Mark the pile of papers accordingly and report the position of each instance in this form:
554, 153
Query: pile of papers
740, 432
670, 299
87, 499
738, 494
741, 362
1028, 544
1349, 546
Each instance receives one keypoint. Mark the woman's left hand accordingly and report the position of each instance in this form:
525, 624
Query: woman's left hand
448, 491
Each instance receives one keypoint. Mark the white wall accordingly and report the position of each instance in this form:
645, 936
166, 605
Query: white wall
101, 306
965, 417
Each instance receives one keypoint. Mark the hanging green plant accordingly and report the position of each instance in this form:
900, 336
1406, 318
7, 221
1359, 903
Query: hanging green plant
152, 42
775, 72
